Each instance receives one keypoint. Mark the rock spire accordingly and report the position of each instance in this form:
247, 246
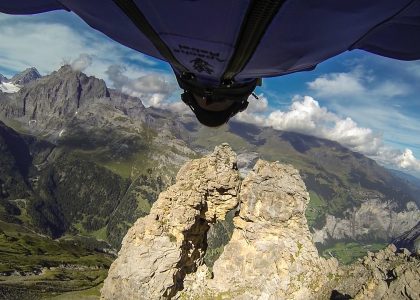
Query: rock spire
270, 255
163, 247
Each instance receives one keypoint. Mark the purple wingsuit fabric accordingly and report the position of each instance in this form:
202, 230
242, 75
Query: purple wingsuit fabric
202, 33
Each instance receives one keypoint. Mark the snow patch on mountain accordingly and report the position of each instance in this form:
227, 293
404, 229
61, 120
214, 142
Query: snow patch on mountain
8, 87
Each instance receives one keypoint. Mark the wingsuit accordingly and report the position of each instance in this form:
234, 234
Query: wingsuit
219, 49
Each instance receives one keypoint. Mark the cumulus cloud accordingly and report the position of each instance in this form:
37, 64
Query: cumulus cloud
338, 84
152, 88
379, 101
407, 160
305, 115
404, 160
25, 44
357, 83
255, 110
82, 62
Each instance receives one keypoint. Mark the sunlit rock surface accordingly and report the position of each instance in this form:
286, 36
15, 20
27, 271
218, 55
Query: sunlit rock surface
161, 248
271, 254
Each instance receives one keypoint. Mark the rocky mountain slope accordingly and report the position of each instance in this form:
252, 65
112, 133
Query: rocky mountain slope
97, 140
269, 256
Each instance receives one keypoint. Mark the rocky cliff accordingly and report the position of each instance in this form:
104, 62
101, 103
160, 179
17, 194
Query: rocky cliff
270, 254
163, 247
388, 274
55, 97
373, 220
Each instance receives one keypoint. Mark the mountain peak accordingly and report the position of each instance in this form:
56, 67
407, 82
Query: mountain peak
25, 77
52, 97
3, 78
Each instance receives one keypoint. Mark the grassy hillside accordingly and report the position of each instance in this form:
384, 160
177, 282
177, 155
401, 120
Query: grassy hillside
84, 192
34, 266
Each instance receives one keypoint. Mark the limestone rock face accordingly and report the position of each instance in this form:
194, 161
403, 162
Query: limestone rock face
372, 216
161, 248
387, 274
271, 254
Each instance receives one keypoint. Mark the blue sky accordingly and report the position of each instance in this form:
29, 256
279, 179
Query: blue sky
368, 103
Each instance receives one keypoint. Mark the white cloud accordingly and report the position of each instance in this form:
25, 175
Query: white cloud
379, 102
338, 84
398, 127
37, 44
390, 89
404, 160
153, 89
407, 160
359, 139
82, 62
305, 115
253, 112
358, 84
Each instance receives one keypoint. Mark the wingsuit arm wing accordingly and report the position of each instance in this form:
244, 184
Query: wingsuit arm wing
397, 37
26, 7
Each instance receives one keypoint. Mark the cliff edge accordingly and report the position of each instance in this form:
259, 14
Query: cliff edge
271, 254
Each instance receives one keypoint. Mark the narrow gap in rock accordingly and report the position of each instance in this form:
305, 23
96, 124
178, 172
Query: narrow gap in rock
218, 237
336, 295
193, 249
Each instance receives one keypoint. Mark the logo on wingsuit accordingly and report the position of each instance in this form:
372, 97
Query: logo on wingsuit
201, 65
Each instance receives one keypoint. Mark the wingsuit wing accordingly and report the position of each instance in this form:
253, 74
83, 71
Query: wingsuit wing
26, 7
205, 35
305, 33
